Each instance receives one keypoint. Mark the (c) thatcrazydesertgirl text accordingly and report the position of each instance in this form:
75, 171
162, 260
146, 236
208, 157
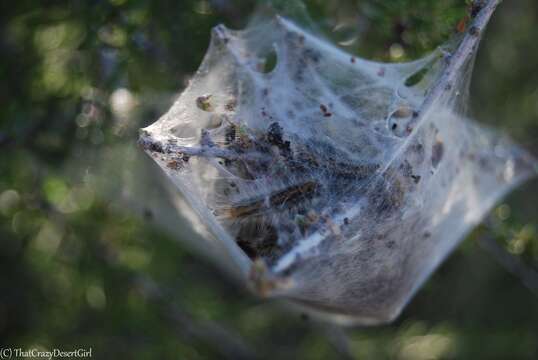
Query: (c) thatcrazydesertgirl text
19, 353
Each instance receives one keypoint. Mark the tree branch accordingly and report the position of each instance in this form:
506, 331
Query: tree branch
513, 264
150, 144
228, 344
458, 59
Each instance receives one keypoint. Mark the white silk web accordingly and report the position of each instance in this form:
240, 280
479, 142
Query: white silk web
335, 182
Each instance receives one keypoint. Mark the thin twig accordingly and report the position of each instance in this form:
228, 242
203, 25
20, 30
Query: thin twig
150, 144
458, 59
513, 264
339, 339
228, 344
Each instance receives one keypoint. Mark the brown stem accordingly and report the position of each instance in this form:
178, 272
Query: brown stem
148, 143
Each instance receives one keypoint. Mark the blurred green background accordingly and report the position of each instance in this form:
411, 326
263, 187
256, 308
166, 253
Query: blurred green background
84, 263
